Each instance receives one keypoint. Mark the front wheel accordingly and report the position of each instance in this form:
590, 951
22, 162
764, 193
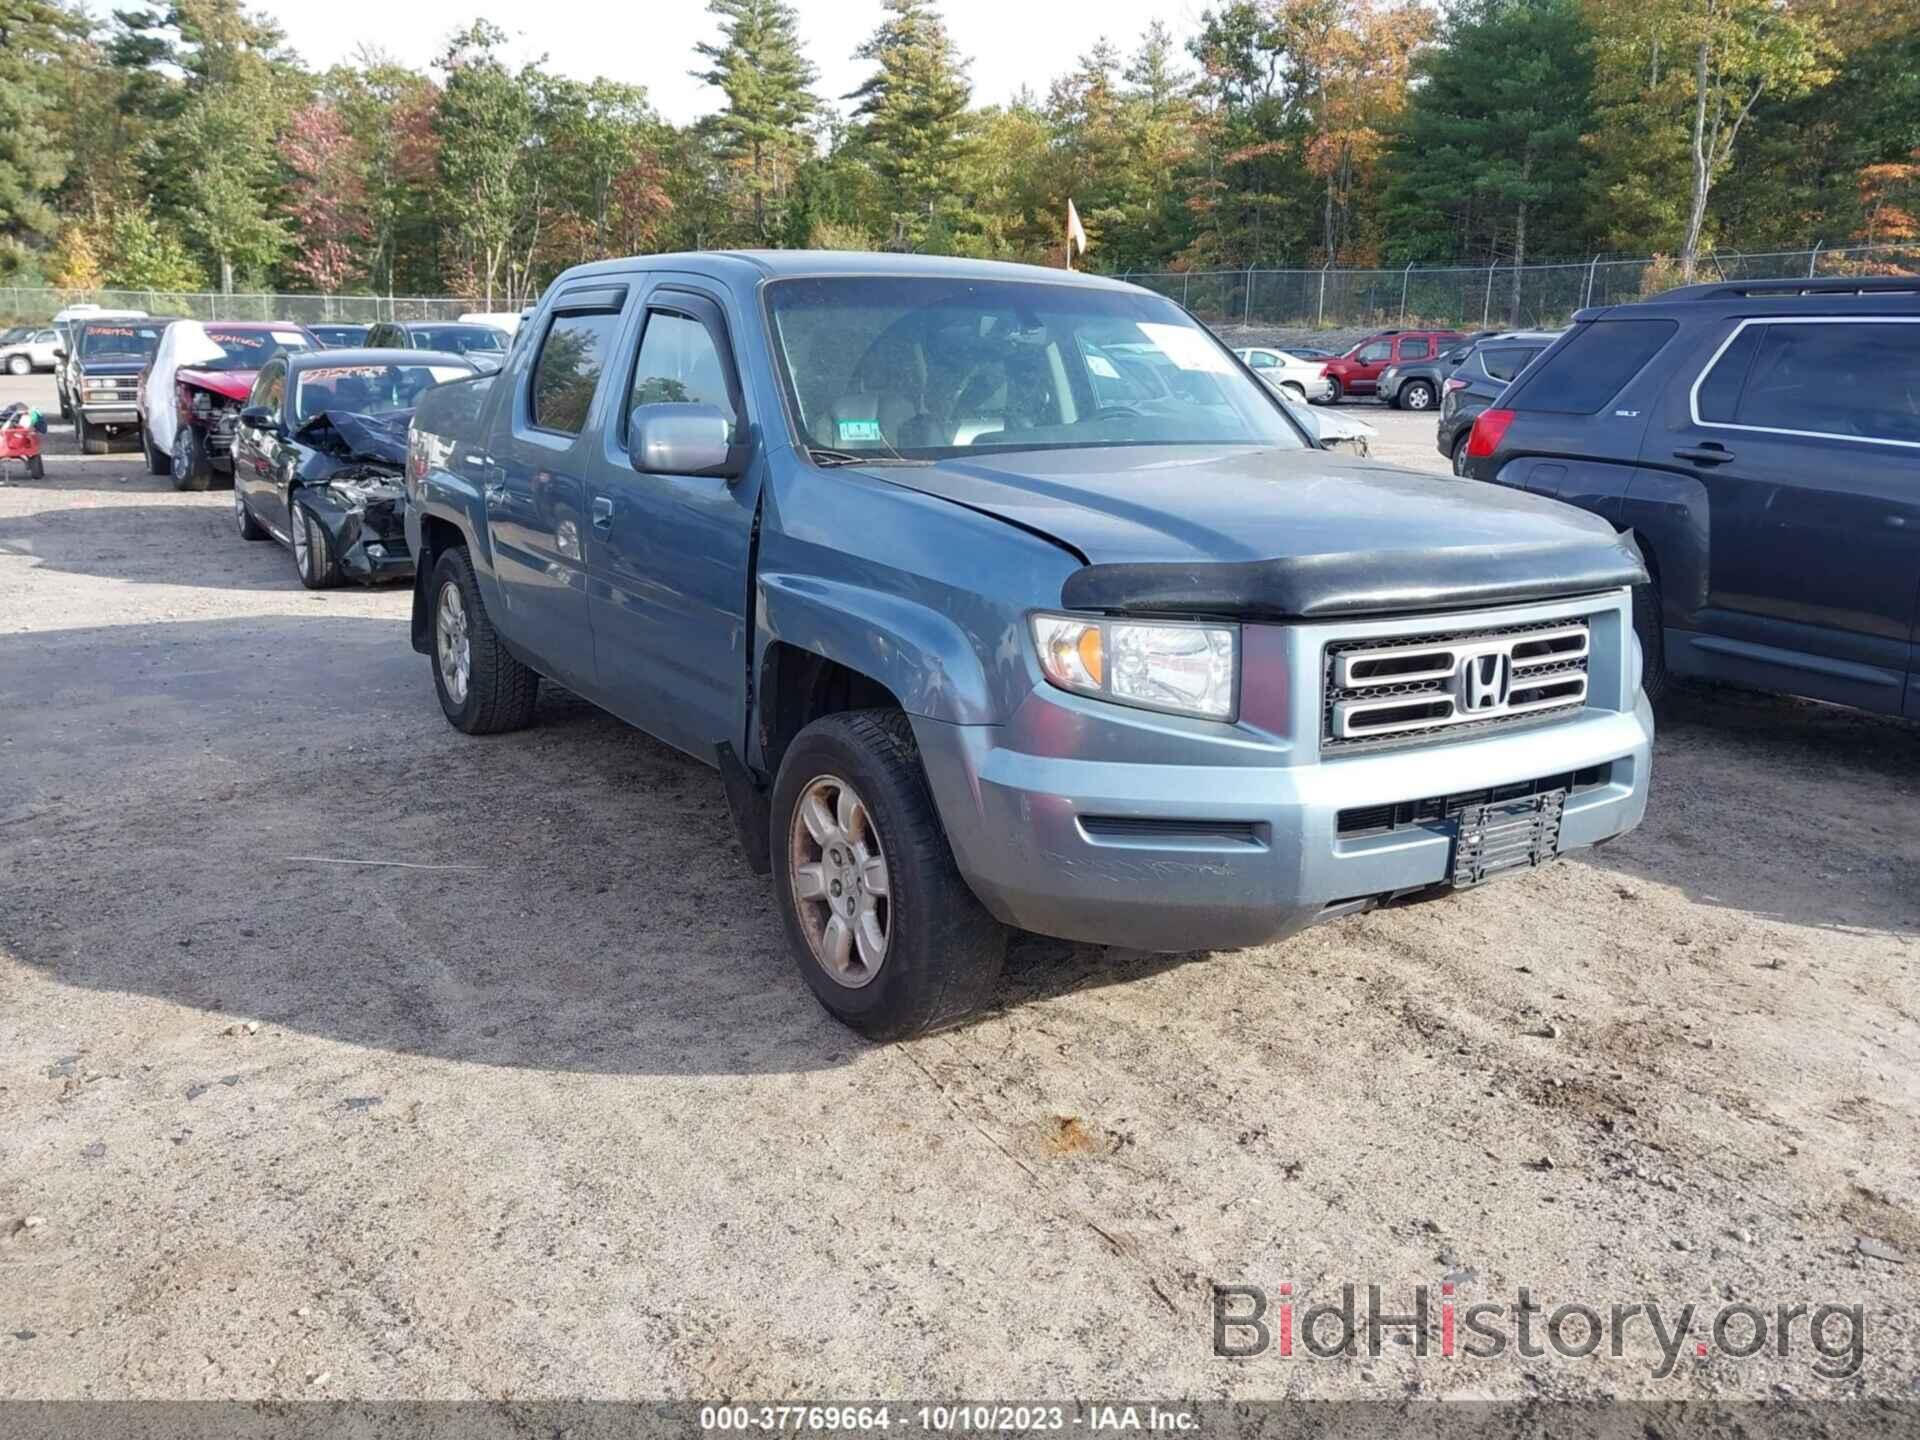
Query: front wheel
192, 470
92, 439
1415, 395
483, 690
313, 553
884, 929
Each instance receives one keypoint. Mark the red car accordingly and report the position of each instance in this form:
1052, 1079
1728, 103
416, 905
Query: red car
1358, 371
193, 389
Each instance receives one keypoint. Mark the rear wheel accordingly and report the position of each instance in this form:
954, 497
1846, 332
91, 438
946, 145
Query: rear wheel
483, 690
1460, 454
158, 461
1295, 393
191, 468
1415, 395
1336, 392
884, 929
1649, 628
249, 528
19, 365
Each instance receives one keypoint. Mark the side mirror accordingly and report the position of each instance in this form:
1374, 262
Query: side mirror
58, 353
683, 439
257, 417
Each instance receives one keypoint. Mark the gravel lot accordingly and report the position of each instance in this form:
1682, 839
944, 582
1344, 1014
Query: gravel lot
563, 1122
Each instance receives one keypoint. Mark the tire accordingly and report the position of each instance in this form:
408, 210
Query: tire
249, 528
313, 557
192, 470
497, 693
37, 468
1339, 392
92, 441
1460, 452
942, 953
1647, 626
1414, 395
158, 462
19, 365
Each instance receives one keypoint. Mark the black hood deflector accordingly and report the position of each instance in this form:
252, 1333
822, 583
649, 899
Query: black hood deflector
1362, 582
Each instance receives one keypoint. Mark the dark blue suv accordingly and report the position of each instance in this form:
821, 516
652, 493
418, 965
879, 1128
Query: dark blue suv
1762, 443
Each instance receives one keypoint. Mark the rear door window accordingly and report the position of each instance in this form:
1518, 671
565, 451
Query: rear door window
1593, 364
1508, 361
1416, 349
568, 370
1853, 380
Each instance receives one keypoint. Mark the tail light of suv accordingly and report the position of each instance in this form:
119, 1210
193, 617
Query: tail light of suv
1488, 431
1454, 383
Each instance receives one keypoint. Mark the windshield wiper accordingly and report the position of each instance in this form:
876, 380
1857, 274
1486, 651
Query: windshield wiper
821, 456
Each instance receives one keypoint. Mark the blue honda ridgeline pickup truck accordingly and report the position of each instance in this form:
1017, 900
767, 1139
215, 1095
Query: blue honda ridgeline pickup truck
1003, 596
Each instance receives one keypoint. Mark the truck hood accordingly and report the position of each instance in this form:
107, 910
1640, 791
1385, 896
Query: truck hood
1282, 534
109, 369
233, 384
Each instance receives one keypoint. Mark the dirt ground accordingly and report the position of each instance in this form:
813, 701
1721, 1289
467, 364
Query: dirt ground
561, 1120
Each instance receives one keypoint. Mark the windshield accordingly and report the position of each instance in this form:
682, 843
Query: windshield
250, 349
921, 368
366, 389
457, 339
125, 340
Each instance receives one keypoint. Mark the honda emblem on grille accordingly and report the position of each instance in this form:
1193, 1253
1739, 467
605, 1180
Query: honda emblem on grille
1483, 682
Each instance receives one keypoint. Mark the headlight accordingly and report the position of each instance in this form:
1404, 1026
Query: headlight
1189, 669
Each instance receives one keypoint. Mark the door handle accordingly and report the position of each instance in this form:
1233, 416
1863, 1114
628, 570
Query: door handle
1711, 453
602, 514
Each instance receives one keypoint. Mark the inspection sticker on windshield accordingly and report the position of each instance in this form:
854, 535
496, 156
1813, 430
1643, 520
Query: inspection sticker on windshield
1189, 349
860, 430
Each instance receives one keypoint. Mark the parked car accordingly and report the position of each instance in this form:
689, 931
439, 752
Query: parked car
24, 353
1761, 442
1358, 371
340, 337
485, 345
66, 324
103, 377
972, 647
1416, 384
505, 321
1310, 352
1303, 380
1476, 383
193, 387
319, 452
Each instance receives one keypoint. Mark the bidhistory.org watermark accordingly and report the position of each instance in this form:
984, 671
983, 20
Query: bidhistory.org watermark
1248, 1324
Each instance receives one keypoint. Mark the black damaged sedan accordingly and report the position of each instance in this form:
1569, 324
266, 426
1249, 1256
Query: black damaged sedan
320, 454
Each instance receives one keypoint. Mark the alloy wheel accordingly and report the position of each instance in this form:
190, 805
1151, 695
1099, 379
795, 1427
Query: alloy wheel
1418, 397
841, 889
452, 645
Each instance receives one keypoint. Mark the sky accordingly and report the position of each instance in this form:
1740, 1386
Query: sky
1011, 42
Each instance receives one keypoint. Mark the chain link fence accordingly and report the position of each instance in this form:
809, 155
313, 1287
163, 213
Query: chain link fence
1481, 297
36, 306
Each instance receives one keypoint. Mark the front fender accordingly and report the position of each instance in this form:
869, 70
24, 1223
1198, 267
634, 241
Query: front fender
921, 655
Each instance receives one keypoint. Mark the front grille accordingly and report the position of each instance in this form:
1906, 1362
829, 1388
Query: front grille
1438, 809
1396, 691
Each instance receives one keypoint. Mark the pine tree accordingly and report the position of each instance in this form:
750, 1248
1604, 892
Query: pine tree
34, 38
912, 113
761, 134
1489, 163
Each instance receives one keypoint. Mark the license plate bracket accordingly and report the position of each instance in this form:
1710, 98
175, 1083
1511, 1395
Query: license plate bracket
1505, 835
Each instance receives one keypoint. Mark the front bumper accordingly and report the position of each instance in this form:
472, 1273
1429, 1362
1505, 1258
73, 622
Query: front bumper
368, 539
1093, 823
110, 412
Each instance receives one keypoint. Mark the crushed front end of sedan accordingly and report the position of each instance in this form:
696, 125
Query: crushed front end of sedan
350, 476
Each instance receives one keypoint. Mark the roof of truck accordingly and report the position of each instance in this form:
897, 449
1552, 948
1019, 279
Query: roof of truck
785, 264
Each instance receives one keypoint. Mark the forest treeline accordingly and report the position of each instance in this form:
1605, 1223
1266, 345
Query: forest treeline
187, 147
